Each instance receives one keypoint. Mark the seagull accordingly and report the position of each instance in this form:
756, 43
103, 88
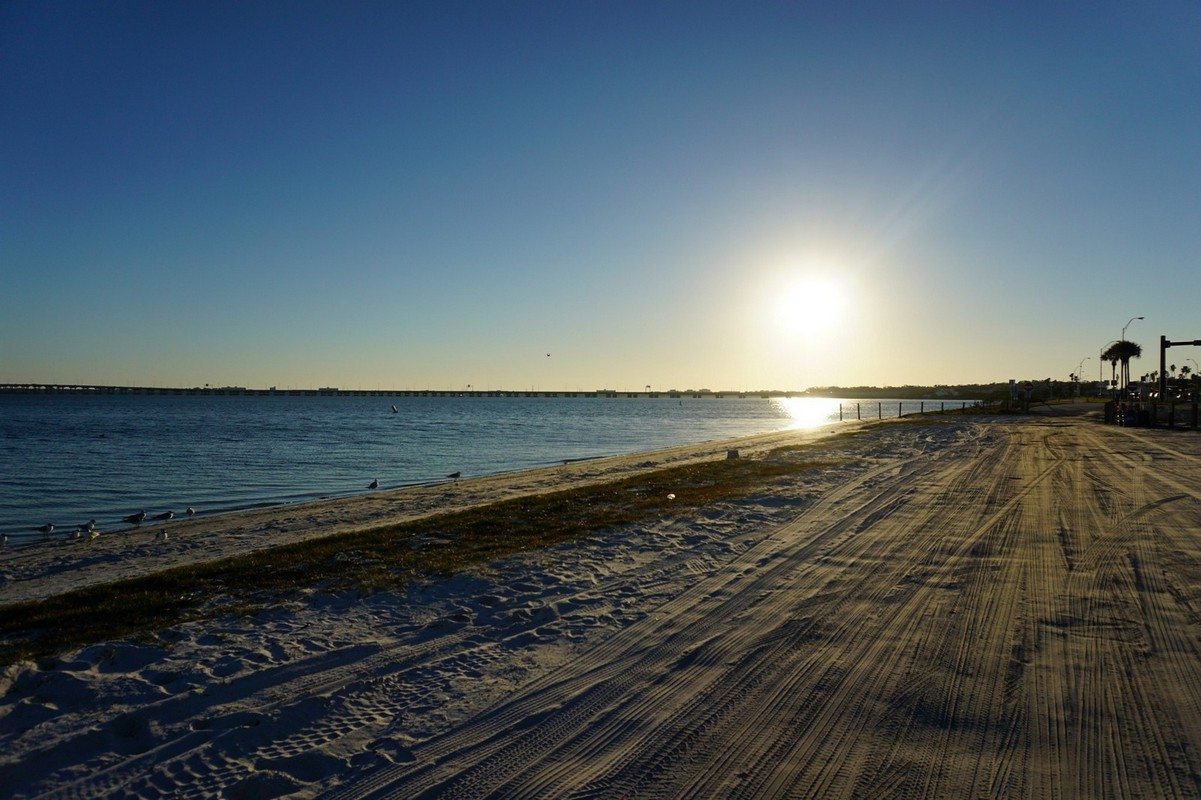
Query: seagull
191, 512
166, 515
46, 529
79, 533
455, 475
93, 536
137, 518
85, 527
373, 485
162, 534
3, 539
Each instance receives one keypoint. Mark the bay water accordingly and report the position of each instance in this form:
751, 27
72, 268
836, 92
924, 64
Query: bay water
65, 459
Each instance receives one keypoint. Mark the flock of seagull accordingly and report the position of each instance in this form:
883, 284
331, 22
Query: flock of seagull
87, 531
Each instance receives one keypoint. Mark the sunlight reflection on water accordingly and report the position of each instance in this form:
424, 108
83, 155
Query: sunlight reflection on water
808, 412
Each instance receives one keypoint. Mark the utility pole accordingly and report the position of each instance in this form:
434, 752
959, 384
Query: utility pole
1164, 344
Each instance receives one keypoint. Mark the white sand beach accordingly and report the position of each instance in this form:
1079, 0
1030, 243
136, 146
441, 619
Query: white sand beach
957, 607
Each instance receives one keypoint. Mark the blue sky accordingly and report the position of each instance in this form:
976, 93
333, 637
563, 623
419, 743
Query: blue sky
407, 195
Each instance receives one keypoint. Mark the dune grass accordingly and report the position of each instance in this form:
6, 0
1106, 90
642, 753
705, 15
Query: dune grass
380, 558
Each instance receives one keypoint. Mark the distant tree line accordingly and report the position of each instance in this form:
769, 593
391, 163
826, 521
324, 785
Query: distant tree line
959, 391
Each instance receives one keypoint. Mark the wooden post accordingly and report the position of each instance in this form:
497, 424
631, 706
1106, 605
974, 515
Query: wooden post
879, 411
922, 409
942, 406
840, 412
900, 412
857, 414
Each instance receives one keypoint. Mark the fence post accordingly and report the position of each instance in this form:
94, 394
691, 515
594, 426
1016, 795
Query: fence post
840, 412
900, 410
879, 411
922, 409
857, 414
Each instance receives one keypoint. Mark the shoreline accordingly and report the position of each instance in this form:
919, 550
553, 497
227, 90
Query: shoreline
39, 570
106, 459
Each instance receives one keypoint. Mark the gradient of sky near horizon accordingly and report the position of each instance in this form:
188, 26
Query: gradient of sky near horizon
442, 194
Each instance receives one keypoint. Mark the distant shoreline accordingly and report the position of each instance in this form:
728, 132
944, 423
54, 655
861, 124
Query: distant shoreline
947, 393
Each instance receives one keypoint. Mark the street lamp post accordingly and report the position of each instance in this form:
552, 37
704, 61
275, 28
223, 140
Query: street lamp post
1080, 367
1127, 325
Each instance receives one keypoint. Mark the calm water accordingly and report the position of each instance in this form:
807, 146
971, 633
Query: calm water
66, 459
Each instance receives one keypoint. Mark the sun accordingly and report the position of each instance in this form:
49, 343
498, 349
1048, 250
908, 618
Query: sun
811, 307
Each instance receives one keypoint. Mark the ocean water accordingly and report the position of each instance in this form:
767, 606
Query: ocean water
66, 459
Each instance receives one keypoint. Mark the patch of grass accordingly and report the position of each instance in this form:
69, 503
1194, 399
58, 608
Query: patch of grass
385, 557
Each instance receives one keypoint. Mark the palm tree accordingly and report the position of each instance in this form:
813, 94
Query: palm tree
1110, 355
1122, 351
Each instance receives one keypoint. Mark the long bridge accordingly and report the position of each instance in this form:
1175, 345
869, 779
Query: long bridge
332, 391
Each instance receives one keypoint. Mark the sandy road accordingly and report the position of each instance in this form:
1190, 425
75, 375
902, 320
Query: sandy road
1013, 615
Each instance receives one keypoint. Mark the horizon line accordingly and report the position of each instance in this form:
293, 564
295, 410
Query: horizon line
467, 390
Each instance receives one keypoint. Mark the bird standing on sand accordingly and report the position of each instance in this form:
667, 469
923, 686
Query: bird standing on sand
86, 527
137, 518
162, 534
47, 529
454, 476
166, 515
373, 485
191, 512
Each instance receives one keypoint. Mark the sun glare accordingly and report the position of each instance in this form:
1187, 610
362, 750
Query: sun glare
811, 307
808, 412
